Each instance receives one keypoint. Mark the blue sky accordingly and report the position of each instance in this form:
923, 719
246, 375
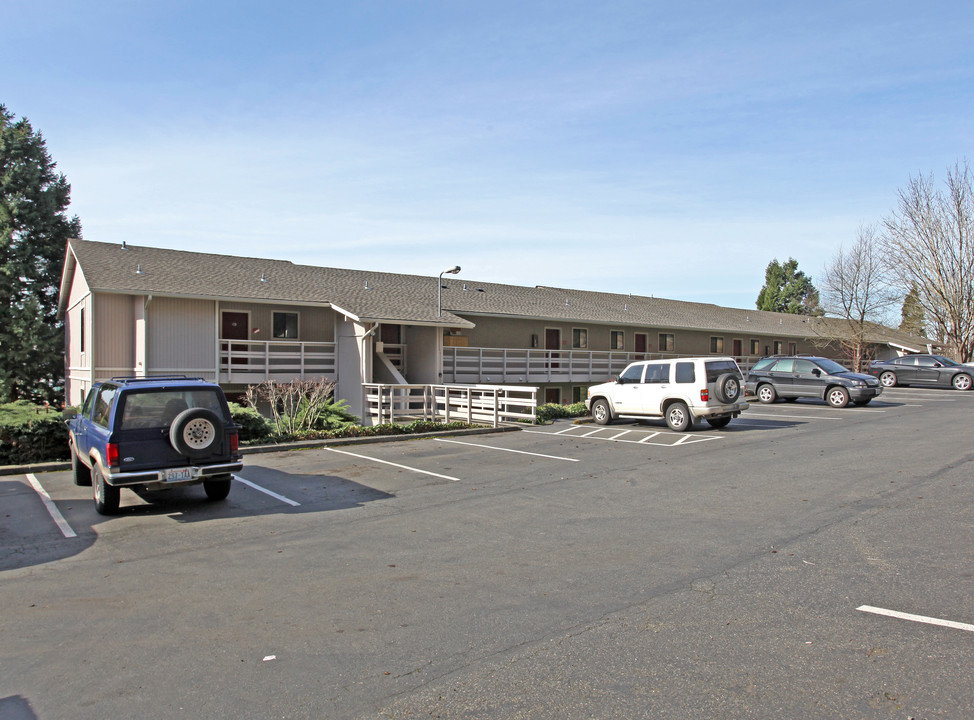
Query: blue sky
667, 149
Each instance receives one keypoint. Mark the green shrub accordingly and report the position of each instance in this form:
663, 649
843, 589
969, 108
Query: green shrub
353, 431
253, 425
547, 413
31, 434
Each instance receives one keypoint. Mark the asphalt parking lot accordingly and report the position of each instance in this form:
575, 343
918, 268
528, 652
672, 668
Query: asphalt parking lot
805, 562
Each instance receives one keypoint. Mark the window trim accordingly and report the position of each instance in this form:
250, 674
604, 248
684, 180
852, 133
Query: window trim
716, 344
662, 345
612, 334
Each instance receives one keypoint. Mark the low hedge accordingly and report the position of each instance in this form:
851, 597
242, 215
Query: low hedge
31, 434
551, 411
353, 431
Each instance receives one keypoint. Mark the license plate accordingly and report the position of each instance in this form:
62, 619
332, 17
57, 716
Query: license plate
176, 474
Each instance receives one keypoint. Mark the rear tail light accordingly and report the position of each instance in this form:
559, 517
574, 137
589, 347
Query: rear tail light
111, 454
704, 395
234, 442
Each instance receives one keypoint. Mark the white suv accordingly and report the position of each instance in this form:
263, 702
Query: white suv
681, 390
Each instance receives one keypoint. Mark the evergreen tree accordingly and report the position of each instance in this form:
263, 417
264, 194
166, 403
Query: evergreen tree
34, 231
914, 319
788, 290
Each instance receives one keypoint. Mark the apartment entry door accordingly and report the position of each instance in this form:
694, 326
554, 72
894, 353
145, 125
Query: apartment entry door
552, 341
234, 326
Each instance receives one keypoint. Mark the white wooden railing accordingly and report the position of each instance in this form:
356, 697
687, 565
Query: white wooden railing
482, 404
519, 365
247, 361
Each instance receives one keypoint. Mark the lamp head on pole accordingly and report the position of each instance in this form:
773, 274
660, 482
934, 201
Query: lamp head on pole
452, 271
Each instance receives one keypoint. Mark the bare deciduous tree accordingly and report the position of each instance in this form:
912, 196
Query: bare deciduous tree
855, 290
929, 244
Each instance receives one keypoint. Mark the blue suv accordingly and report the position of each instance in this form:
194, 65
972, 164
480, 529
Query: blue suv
154, 433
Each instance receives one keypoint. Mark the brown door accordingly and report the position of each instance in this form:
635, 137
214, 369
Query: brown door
552, 341
640, 347
234, 326
738, 348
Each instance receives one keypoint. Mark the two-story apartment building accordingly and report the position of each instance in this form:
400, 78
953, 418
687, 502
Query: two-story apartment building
132, 310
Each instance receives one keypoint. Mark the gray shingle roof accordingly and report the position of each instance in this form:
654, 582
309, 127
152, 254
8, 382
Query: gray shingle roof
411, 299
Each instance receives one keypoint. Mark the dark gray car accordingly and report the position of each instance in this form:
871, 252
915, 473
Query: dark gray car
792, 377
923, 370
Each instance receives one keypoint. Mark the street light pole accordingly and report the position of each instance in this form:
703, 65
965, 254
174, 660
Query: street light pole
439, 289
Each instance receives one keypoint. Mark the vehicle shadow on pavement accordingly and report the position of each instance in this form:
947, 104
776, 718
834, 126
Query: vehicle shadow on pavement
278, 492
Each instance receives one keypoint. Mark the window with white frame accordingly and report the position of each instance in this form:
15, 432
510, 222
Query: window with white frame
716, 344
580, 338
667, 342
617, 340
285, 325
755, 347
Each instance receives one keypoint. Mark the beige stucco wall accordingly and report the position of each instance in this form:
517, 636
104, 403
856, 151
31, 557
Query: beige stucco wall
181, 336
315, 324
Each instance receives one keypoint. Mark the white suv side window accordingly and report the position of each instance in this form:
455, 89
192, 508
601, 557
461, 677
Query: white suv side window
658, 373
632, 374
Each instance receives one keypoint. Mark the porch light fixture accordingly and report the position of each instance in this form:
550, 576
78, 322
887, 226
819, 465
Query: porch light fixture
439, 288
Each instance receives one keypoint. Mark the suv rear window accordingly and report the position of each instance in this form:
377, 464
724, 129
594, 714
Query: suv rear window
716, 368
159, 408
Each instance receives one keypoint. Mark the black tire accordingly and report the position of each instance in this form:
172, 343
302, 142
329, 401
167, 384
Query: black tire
106, 496
961, 381
196, 433
728, 388
837, 397
766, 393
887, 379
719, 422
218, 488
601, 412
678, 417
79, 471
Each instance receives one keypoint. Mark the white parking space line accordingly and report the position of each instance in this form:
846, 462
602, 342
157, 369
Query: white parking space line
264, 490
789, 416
386, 462
647, 440
916, 618
624, 432
51, 507
520, 452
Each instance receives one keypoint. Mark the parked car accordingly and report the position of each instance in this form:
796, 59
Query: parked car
681, 390
155, 433
796, 376
923, 370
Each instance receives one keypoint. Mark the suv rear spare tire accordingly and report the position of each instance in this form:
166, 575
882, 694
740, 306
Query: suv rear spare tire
728, 388
196, 433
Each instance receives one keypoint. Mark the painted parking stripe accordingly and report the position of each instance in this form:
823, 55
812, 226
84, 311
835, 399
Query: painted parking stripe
386, 462
648, 440
789, 416
916, 618
264, 490
510, 450
51, 507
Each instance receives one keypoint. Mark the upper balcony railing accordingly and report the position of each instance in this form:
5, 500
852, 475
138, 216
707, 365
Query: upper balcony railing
504, 365
247, 361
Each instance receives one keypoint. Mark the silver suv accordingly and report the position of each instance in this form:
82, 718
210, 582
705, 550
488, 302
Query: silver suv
681, 390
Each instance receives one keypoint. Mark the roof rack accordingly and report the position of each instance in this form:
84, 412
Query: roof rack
126, 380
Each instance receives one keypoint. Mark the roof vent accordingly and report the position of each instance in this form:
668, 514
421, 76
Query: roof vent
124, 246
367, 285
139, 270
263, 277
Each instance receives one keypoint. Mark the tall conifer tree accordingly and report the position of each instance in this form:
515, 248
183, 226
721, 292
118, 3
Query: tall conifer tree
34, 230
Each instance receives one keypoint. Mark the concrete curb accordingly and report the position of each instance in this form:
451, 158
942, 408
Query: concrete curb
282, 447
